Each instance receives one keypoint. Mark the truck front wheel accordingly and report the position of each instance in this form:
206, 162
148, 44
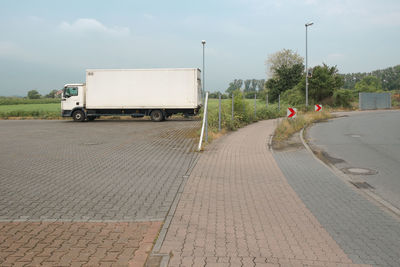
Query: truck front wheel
157, 115
78, 115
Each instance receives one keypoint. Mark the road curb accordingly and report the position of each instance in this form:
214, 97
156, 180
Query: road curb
168, 219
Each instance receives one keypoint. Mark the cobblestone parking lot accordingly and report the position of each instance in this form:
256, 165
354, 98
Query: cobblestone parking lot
98, 172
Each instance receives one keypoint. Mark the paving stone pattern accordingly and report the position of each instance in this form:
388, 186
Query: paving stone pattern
366, 233
76, 244
237, 209
96, 171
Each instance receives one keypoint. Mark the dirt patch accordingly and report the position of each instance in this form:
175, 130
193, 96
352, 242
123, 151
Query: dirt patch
292, 143
325, 157
321, 154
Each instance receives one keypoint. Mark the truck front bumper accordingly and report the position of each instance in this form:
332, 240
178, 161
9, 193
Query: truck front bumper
66, 113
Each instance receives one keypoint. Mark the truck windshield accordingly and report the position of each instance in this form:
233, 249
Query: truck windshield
70, 91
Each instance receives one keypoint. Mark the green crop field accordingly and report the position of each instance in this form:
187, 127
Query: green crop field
31, 110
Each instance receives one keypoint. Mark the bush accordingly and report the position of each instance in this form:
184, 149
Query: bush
243, 112
294, 97
343, 98
395, 98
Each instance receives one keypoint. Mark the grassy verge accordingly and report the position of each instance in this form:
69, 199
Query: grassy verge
287, 127
23, 101
42, 111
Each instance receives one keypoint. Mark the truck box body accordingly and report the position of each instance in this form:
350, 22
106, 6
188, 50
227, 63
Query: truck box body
143, 89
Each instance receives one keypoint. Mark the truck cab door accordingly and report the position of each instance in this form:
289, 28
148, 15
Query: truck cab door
71, 98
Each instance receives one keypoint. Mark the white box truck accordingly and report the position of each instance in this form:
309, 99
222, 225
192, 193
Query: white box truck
158, 93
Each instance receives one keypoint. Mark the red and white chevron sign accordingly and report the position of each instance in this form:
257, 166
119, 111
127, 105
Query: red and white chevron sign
318, 107
291, 112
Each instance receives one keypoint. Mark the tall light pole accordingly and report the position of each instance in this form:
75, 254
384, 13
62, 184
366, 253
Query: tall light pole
307, 24
205, 105
204, 43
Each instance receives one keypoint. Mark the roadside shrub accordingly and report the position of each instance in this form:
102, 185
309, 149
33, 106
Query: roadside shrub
294, 97
265, 113
343, 98
287, 127
395, 98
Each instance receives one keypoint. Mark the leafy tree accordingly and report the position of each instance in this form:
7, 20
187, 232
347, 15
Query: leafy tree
235, 85
52, 94
284, 58
285, 79
273, 89
261, 85
389, 78
322, 84
247, 84
33, 94
254, 84
369, 84
216, 95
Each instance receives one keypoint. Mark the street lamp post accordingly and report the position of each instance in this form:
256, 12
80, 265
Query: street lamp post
307, 24
204, 43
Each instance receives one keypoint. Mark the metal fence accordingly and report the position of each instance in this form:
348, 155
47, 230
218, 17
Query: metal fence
374, 101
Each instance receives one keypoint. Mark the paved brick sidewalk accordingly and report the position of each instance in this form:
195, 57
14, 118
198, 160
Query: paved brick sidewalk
76, 244
237, 209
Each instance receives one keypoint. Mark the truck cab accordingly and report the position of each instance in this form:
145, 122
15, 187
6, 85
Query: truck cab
73, 101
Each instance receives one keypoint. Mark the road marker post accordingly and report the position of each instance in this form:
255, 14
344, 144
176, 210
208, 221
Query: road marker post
204, 122
291, 113
318, 107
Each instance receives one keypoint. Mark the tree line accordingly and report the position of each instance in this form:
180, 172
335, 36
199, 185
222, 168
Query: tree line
287, 77
34, 94
249, 87
386, 79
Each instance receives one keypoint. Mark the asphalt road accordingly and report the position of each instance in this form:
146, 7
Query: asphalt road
365, 140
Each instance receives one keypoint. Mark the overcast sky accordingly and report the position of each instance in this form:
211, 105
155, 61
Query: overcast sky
45, 44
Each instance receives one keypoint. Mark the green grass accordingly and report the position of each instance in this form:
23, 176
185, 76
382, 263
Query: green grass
21, 100
287, 127
31, 110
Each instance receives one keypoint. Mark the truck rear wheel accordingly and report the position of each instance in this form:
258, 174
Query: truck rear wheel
78, 115
157, 115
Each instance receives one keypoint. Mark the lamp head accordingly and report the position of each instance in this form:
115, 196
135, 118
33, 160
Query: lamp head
309, 24
203, 42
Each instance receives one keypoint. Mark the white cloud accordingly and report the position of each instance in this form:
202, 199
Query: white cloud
84, 25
